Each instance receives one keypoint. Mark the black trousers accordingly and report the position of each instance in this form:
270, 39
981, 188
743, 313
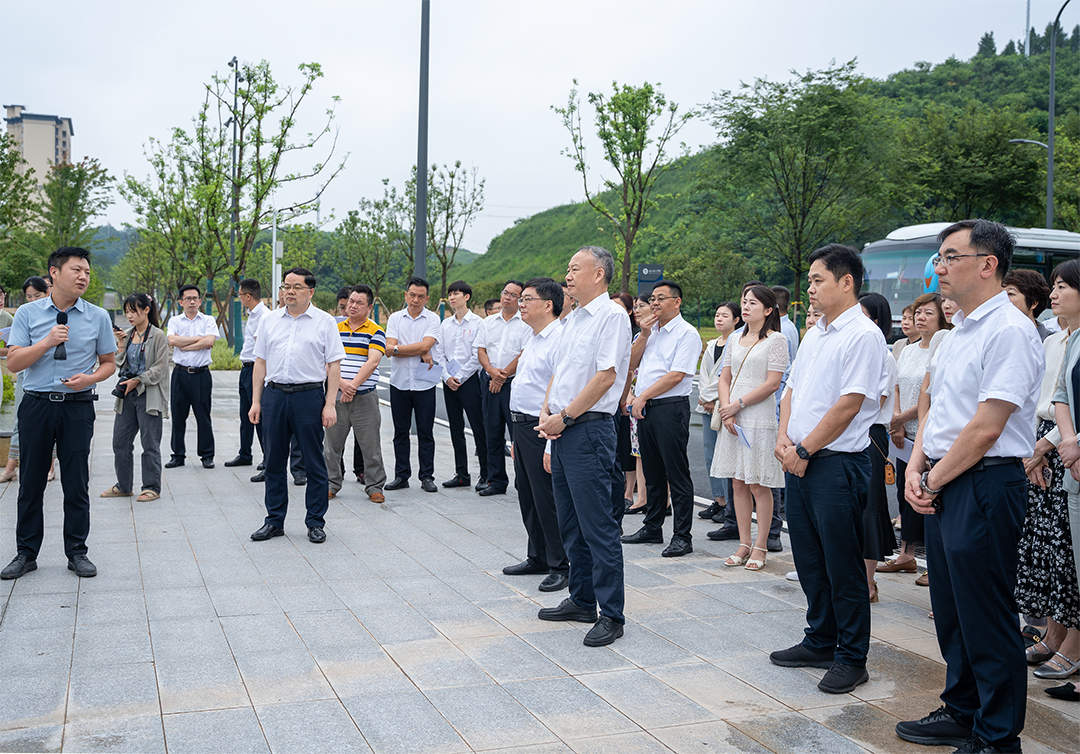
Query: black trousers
825, 517
497, 423
466, 401
70, 425
971, 548
403, 404
294, 418
536, 497
247, 429
663, 433
191, 393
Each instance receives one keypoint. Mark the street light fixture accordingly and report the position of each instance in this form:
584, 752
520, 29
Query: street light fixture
238, 332
1050, 180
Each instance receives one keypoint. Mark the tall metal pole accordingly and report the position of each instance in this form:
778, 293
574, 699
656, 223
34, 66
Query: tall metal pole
420, 250
1027, 32
1050, 139
238, 331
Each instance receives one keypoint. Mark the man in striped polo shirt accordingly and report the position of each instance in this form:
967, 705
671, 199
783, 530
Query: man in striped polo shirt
357, 402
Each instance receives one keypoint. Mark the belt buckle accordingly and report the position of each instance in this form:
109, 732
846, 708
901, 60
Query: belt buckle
190, 370
56, 397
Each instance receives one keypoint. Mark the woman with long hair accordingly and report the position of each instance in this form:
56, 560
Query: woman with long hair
726, 319
142, 398
623, 447
754, 365
642, 308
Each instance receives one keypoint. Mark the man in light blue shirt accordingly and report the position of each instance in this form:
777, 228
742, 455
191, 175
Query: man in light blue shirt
63, 346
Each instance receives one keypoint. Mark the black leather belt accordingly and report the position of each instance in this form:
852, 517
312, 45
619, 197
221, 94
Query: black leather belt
825, 453
365, 391
661, 401
247, 363
983, 463
301, 387
523, 418
86, 395
193, 370
589, 416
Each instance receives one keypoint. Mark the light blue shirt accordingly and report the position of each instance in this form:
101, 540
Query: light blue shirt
89, 336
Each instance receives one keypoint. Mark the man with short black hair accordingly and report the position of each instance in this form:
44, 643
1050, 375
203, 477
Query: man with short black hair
966, 476
411, 333
491, 306
665, 355
297, 372
250, 296
498, 346
343, 302
822, 442
462, 396
59, 365
192, 335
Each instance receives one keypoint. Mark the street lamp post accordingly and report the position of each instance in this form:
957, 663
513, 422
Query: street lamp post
420, 250
1050, 140
1049, 182
238, 332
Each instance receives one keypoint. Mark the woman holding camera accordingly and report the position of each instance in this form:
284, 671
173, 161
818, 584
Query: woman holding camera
142, 398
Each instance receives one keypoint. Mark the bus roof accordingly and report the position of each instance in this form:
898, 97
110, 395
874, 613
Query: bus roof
926, 233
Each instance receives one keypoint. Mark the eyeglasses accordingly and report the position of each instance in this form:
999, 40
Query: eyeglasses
658, 299
527, 299
191, 299
294, 288
949, 259
509, 294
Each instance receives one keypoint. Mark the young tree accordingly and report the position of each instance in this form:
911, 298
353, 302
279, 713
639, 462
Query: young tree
635, 126
74, 195
454, 199
19, 255
366, 244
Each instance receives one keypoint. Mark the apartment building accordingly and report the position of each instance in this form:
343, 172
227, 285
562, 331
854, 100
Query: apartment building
42, 140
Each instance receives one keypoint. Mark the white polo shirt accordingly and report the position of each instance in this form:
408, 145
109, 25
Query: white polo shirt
408, 330
595, 338
297, 349
992, 353
199, 327
503, 339
456, 340
839, 358
675, 347
251, 330
534, 370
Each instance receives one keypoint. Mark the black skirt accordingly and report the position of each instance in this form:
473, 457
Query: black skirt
912, 525
878, 538
622, 448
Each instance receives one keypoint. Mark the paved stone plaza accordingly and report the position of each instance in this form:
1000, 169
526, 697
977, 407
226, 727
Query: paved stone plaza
400, 634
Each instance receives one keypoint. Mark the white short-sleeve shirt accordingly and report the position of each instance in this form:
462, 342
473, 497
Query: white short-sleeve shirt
457, 341
298, 349
596, 337
199, 327
251, 330
408, 330
534, 370
675, 347
503, 339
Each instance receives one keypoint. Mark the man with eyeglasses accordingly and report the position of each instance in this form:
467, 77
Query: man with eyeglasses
540, 305
498, 346
298, 354
411, 333
966, 475
665, 355
192, 335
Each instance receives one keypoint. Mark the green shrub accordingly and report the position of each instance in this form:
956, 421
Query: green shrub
9, 392
222, 356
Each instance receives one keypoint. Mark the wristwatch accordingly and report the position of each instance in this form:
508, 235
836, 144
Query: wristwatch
567, 420
394, 352
802, 452
925, 487
741, 404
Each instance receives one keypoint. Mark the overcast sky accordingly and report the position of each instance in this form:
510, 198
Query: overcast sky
128, 71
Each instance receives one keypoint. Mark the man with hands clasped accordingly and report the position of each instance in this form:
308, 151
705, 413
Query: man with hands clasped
966, 475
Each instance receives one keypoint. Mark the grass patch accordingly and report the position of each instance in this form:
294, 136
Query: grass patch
222, 357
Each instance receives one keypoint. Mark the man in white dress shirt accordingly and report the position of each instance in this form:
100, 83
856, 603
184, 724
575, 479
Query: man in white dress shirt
192, 335
297, 372
462, 394
966, 475
578, 417
825, 418
665, 355
411, 333
498, 346
251, 299
540, 306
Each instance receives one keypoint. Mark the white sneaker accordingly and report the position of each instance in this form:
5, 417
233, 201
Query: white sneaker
792, 576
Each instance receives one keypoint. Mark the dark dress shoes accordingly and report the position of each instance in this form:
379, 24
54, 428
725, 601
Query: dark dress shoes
428, 485
491, 489
603, 633
524, 568
300, 481
554, 582
261, 466
801, 657
316, 535
208, 463
843, 678
399, 483
644, 537
939, 728
19, 566
458, 481
723, 533
481, 484
677, 548
260, 477
173, 462
82, 566
1066, 693
267, 531
568, 610
711, 511
239, 461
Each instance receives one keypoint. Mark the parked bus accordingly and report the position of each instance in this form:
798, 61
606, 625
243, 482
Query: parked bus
898, 267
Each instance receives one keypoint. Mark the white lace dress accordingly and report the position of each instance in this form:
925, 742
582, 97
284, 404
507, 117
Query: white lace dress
910, 371
732, 459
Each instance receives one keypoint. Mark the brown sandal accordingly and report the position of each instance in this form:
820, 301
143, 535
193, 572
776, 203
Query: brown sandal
115, 491
147, 495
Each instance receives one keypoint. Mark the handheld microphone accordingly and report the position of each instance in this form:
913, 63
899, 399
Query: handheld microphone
60, 354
